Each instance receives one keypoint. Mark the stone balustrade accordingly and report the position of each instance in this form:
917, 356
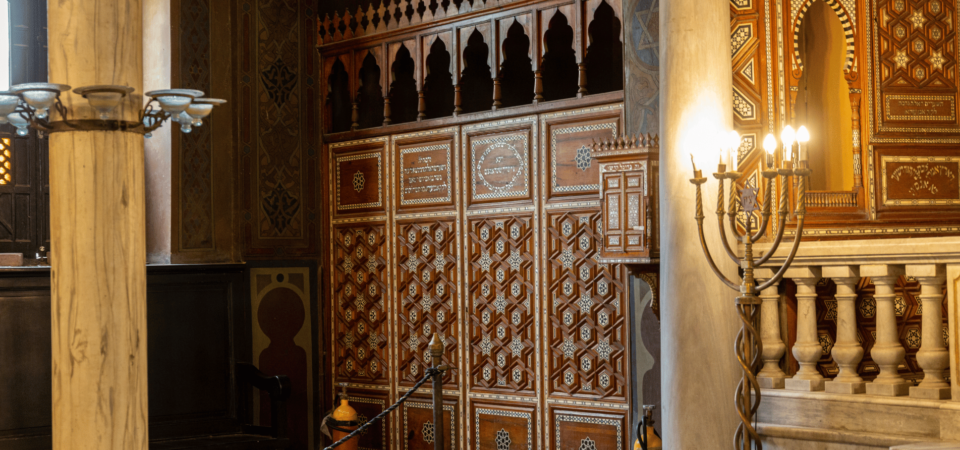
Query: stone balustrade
847, 350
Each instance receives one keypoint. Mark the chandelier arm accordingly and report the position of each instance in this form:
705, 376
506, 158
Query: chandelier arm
726, 242
767, 201
801, 214
783, 222
706, 252
703, 242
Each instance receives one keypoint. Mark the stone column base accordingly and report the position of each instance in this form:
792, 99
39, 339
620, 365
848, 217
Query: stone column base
845, 387
888, 389
792, 384
927, 393
771, 382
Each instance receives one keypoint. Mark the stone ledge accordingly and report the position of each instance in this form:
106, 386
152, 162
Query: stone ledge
902, 419
806, 434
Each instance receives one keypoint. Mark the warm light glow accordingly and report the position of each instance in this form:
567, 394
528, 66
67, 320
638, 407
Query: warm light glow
734, 142
803, 136
770, 143
788, 136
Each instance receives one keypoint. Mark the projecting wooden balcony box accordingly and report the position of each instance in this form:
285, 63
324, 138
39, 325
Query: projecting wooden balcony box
628, 191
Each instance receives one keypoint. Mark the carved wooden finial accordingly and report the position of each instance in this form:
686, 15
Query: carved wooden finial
348, 25
382, 14
404, 19
370, 29
325, 35
336, 27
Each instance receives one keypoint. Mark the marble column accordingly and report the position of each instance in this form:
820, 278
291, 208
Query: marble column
932, 357
771, 376
887, 351
847, 351
699, 320
953, 296
807, 349
97, 228
157, 149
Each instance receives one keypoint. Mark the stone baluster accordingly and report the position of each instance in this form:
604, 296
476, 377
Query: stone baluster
771, 376
847, 351
807, 349
932, 357
887, 351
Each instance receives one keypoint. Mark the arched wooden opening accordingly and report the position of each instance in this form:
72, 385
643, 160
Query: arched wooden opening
438, 90
559, 66
370, 97
403, 91
516, 72
476, 84
339, 103
604, 59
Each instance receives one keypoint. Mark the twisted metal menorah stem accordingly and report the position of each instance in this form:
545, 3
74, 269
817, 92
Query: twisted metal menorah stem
749, 347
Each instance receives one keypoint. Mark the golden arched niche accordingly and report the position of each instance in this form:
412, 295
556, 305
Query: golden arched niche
822, 99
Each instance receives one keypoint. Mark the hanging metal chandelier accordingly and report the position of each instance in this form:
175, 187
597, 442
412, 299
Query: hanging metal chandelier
28, 106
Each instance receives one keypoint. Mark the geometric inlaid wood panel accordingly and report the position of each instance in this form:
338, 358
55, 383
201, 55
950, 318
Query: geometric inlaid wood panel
368, 407
501, 302
499, 426
360, 318
427, 254
419, 431
572, 169
917, 66
749, 60
589, 431
587, 311
359, 179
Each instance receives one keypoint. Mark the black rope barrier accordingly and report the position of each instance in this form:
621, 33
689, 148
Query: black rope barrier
428, 375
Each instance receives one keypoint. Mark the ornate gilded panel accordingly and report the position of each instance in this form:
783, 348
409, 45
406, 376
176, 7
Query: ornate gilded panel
503, 427
427, 284
360, 319
589, 431
587, 311
500, 276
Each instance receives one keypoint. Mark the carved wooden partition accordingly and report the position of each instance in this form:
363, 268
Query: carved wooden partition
418, 60
489, 234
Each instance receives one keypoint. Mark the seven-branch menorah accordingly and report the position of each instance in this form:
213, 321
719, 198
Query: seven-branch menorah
748, 345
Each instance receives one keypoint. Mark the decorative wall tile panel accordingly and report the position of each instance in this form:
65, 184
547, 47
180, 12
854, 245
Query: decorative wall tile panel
278, 129
196, 148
